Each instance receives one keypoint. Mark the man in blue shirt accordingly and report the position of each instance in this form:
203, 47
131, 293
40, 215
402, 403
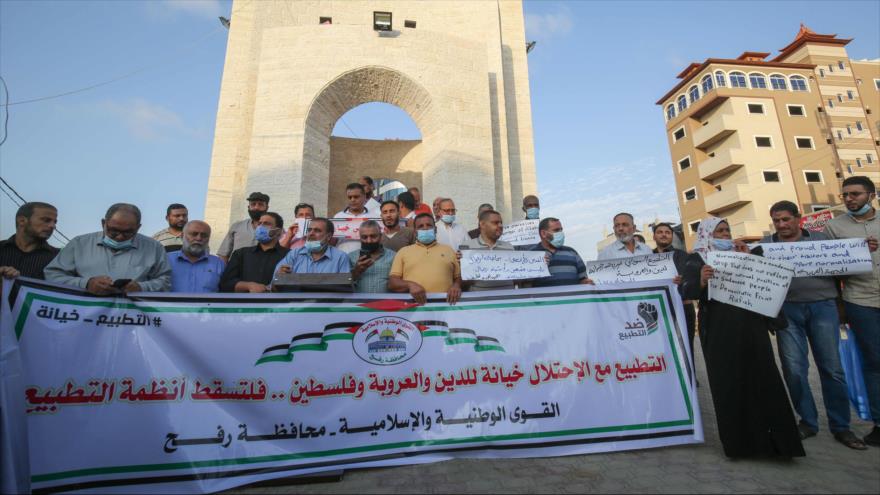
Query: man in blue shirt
565, 264
372, 263
317, 256
192, 268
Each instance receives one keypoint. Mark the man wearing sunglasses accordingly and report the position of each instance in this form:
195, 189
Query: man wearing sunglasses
115, 260
861, 292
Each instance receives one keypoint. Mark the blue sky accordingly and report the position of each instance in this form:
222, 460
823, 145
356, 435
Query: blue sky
595, 74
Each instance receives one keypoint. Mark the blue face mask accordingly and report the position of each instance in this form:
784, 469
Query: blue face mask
861, 211
314, 246
448, 219
113, 244
262, 234
722, 244
558, 239
426, 236
533, 213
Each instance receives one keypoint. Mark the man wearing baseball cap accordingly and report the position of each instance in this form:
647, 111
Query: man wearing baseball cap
241, 234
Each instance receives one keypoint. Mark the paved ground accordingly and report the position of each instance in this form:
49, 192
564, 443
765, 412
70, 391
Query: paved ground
828, 468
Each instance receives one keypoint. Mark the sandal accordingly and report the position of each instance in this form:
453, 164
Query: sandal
850, 440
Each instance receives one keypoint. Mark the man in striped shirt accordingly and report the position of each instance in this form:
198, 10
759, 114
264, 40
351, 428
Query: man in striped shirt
171, 238
27, 252
565, 264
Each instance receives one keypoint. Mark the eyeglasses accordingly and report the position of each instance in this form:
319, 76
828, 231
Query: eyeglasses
854, 194
111, 232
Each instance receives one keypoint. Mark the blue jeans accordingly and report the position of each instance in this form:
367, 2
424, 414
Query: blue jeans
864, 321
818, 323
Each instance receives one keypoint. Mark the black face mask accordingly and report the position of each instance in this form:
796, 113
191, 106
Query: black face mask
255, 214
370, 247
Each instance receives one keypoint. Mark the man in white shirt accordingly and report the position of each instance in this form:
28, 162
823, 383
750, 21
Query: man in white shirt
373, 203
356, 209
626, 244
448, 231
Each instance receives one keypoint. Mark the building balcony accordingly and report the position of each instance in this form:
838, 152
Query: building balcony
724, 162
748, 229
729, 197
715, 130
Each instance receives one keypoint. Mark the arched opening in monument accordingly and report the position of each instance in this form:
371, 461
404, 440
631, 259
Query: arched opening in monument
379, 140
339, 160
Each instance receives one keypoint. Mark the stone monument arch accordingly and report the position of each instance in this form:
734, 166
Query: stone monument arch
461, 75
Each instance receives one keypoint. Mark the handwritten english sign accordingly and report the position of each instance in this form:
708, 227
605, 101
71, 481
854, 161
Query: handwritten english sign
750, 282
484, 264
822, 258
646, 267
521, 233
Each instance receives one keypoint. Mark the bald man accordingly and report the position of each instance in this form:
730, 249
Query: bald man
193, 269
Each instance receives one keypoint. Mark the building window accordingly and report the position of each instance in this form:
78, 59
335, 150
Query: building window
859, 162
678, 134
830, 68
325, 20
821, 72
694, 93
859, 125
848, 129
877, 84
839, 136
763, 142
756, 108
796, 110
798, 83
869, 157
812, 177
684, 163
690, 194
816, 208
840, 64
719, 79
771, 176
830, 103
670, 111
707, 84
682, 103
758, 81
737, 80
849, 169
778, 82
804, 143
694, 226
849, 94
839, 98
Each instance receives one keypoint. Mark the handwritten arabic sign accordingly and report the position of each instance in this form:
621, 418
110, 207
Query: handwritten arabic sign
327, 384
646, 267
749, 282
349, 228
822, 258
816, 221
521, 233
484, 264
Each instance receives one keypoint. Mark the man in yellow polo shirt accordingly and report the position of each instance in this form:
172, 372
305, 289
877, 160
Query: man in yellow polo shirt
426, 266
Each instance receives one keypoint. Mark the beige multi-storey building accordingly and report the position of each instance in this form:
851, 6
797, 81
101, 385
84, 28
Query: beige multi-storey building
747, 132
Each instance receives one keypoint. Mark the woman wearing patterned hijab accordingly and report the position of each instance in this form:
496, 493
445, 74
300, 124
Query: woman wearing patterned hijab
751, 406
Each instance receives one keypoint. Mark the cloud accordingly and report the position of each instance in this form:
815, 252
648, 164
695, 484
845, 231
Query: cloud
149, 121
549, 24
587, 204
169, 9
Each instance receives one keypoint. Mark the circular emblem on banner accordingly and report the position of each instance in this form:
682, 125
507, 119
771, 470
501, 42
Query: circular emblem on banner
387, 340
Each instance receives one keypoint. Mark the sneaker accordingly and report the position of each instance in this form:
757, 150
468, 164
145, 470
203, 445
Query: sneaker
805, 431
850, 440
873, 438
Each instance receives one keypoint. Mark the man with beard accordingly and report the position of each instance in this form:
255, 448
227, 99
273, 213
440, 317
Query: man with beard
489, 238
370, 266
27, 252
395, 235
251, 268
172, 238
193, 269
241, 234
626, 244
861, 292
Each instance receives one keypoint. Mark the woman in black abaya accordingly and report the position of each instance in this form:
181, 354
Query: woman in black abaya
751, 405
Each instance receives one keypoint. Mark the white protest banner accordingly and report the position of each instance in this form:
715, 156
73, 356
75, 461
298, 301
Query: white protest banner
496, 264
822, 258
349, 228
646, 267
169, 394
748, 281
521, 233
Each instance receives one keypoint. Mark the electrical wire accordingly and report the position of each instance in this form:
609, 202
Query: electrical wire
21, 198
5, 117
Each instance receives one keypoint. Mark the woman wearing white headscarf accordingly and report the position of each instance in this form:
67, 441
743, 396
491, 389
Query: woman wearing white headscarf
751, 405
